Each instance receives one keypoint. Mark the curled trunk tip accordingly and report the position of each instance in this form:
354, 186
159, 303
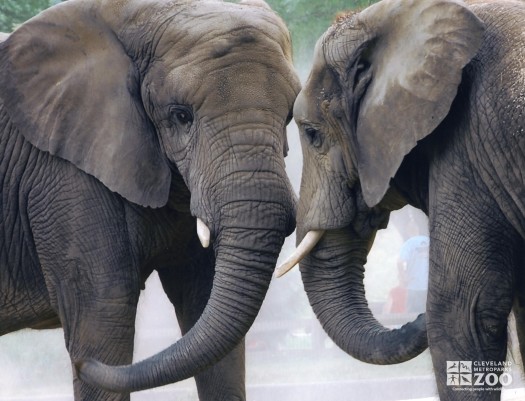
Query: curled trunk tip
96, 374
333, 279
396, 345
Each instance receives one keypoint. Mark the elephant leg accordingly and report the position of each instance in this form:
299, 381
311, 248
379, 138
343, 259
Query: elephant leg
188, 287
98, 317
91, 276
105, 331
224, 381
471, 292
519, 311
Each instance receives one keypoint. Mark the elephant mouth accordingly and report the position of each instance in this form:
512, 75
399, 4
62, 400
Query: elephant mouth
364, 221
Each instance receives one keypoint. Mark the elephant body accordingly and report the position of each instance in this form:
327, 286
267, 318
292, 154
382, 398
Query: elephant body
51, 210
127, 146
419, 103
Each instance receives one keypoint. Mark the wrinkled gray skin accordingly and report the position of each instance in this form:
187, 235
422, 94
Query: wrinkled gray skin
419, 102
120, 123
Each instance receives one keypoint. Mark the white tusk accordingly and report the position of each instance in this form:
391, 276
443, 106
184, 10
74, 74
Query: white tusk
204, 233
309, 241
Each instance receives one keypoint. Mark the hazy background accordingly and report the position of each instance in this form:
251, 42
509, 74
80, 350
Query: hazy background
288, 355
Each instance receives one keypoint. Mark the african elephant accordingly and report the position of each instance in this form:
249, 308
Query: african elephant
132, 132
418, 102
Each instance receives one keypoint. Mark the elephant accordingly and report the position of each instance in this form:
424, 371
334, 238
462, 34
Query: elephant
418, 102
144, 135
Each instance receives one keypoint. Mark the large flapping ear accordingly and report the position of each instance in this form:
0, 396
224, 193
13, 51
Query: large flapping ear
417, 52
72, 91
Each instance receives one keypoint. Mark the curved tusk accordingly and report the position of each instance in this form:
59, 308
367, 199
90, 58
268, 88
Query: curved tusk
203, 233
309, 241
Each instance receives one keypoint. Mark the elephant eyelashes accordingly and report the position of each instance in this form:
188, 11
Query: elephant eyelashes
181, 115
314, 137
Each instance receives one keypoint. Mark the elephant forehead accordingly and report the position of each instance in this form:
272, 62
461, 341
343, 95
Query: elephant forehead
223, 46
226, 25
238, 89
231, 75
235, 18
213, 49
318, 88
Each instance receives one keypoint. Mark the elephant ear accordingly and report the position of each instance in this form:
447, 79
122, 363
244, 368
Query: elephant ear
416, 54
71, 90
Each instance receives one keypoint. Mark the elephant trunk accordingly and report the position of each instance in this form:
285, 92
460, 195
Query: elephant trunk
333, 279
246, 253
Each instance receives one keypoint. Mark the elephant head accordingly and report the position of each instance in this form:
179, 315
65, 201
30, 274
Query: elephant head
382, 80
139, 93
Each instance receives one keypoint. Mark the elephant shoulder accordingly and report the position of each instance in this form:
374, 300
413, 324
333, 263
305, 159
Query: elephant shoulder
501, 17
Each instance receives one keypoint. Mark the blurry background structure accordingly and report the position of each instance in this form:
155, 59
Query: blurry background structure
289, 358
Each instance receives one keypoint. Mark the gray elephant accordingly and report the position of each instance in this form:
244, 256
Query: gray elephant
418, 102
132, 132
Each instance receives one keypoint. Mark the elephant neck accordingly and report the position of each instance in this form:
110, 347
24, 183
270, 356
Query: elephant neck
410, 185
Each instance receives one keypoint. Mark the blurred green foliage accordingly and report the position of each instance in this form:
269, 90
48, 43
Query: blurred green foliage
308, 19
14, 12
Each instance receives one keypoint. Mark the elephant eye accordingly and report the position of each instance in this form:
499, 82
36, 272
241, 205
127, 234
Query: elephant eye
181, 115
314, 136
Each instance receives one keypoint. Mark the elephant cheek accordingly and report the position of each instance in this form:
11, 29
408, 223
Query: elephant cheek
342, 165
326, 206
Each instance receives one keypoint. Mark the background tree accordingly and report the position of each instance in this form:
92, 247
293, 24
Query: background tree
308, 19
